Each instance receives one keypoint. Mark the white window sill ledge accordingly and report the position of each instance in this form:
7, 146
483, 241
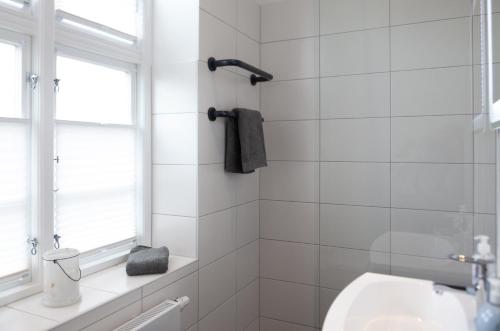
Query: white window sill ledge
103, 294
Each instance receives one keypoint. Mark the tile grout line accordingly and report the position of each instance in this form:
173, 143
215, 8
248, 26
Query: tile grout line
390, 140
380, 27
319, 121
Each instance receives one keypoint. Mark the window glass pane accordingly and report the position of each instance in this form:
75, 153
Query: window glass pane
120, 15
93, 93
10, 81
96, 181
13, 197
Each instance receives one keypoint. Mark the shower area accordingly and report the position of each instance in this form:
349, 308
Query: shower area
381, 155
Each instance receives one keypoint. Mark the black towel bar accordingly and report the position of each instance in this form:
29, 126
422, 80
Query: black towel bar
263, 76
214, 113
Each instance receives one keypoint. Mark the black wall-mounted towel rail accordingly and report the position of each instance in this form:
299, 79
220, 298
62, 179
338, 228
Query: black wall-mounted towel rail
263, 76
214, 113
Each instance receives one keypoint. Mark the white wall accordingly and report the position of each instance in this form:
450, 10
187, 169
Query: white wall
199, 210
374, 163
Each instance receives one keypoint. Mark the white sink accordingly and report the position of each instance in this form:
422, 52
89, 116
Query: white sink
375, 302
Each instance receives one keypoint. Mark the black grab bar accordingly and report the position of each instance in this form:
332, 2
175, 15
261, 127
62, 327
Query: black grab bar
263, 76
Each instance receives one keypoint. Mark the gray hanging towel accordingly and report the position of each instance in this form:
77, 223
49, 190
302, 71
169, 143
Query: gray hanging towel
144, 260
245, 147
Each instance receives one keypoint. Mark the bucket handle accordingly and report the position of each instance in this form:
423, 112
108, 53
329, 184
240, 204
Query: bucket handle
67, 275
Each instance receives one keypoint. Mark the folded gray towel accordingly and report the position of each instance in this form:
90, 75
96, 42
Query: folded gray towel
245, 148
145, 260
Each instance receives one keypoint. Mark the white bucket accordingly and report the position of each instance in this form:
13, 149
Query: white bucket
61, 271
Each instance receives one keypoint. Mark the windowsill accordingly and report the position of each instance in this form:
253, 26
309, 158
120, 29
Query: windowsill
103, 293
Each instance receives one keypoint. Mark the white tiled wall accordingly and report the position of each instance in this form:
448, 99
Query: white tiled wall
199, 210
374, 161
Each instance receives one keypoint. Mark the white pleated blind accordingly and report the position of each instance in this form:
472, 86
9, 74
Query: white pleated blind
96, 197
120, 15
95, 178
14, 215
14, 161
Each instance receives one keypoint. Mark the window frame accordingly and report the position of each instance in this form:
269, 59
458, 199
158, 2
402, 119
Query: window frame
23, 278
37, 21
116, 252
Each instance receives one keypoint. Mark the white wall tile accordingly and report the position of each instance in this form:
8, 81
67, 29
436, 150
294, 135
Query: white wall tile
289, 221
288, 261
174, 190
408, 11
484, 188
432, 139
291, 100
290, 20
210, 140
216, 38
340, 266
168, 131
215, 189
217, 284
217, 235
446, 187
290, 181
355, 227
222, 319
176, 32
295, 303
217, 89
254, 326
293, 59
222, 9
177, 233
247, 223
326, 298
291, 140
247, 50
438, 270
484, 140
246, 187
247, 264
355, 140
433, 44
187, 286
355, 96
248, 96
431, 92
175, 88
249, 18
348, 15
247, 305
431, 233
267, 324
351, 183
355, 52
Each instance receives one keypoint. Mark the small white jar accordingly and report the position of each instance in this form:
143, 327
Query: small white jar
61, 276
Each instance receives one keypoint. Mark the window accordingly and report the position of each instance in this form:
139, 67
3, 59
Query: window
74, 134
116, 19
95, 175
15, 150
15, 4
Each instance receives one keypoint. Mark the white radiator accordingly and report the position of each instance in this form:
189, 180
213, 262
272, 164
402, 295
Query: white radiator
164, 317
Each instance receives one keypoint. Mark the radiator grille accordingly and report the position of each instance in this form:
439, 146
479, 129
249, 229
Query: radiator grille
145, 318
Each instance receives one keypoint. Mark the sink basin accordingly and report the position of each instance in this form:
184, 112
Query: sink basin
375, 302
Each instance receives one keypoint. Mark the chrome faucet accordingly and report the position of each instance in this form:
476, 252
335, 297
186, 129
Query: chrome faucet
480, 274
